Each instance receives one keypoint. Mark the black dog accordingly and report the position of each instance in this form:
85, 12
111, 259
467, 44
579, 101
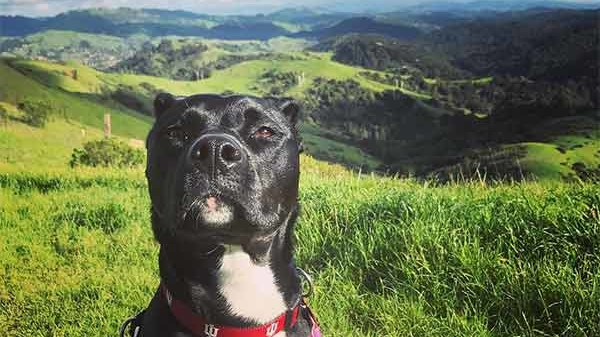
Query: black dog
223, 180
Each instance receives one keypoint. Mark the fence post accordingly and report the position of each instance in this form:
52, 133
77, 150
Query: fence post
107, 125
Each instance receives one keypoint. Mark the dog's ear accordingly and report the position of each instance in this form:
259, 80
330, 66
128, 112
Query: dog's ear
162, 103
290, 109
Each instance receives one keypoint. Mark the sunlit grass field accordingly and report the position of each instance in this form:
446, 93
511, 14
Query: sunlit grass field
390, 257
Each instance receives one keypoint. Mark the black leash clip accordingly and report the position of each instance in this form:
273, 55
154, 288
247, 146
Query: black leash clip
134, 324
307, 280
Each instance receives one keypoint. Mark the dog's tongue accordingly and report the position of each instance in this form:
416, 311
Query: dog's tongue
211, 203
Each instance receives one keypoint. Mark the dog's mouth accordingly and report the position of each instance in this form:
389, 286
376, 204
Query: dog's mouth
214, 215
214, 211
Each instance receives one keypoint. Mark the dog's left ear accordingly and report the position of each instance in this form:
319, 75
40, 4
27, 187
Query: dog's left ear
290, 109
162, 103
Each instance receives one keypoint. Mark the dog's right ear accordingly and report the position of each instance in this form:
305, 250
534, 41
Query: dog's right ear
162, 103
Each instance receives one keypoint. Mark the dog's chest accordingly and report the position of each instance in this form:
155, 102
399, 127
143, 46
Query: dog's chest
250, 290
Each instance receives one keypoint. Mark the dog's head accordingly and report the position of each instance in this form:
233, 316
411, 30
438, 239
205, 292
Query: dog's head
223, 168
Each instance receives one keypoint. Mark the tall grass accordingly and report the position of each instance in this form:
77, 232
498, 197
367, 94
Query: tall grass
390, 257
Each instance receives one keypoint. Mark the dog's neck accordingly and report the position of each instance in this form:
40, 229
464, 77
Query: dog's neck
235, 285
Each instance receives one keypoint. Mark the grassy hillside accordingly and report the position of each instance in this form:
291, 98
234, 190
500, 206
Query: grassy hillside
85, 109
241, 78
91, 89
25, 146
555, 160
334, 151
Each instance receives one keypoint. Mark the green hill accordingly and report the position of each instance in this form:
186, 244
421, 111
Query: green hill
85, 98
85, 109
242, 77
403, 132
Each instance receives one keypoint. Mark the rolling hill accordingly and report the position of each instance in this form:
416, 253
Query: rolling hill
551, 45
547, 154
364, 25
85, 100
78, 105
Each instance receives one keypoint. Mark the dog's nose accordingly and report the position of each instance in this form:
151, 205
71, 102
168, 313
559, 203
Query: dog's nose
214, 151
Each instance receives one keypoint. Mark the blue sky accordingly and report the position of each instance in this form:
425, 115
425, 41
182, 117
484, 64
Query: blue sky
52, 7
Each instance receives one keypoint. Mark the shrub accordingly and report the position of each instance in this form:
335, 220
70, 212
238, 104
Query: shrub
107, 152
37, 113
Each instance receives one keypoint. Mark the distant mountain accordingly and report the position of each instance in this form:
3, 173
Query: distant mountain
246, 31
363, 25
301, 14
495, 5
152, 22
431, 20
313, 17
19, 25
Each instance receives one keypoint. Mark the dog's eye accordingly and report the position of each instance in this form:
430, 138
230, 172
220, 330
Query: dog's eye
177, 134
264, 132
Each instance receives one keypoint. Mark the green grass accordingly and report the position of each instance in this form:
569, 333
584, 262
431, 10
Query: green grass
543, 160
26, 146
389, 257
583, 149
57, 75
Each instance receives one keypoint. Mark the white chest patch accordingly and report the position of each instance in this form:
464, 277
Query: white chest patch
249, 289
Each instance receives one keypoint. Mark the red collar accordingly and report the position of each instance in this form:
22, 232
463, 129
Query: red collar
200, 327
